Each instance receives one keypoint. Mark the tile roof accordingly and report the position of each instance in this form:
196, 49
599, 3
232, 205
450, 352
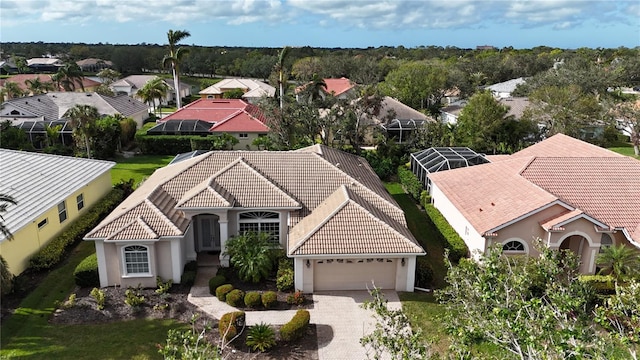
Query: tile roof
225, 115
603, 185
302, 179
506, 86
400, 110
516, 105
336, 87
253, 88
40, 181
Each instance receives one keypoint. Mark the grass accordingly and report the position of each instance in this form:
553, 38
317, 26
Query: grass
138, 167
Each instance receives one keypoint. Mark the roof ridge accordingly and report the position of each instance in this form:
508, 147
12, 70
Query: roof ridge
158, 212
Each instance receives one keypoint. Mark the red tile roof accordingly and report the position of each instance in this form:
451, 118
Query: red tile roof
334, 86
228, 115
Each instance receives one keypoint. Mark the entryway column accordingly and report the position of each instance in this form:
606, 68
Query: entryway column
224, 235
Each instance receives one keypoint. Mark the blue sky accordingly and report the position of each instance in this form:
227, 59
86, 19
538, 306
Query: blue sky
327, 23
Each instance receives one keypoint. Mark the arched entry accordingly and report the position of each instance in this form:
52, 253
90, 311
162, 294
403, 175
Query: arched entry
575, 243
207, 232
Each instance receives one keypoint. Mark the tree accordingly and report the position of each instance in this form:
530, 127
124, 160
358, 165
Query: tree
155, 89
83, 119
68, 76
627, 116
417, 84
304, 69
393, 334
108, 76
281, 72
174, 57
620, 315
53, 133
532, 307
36, 86
479, 123
11, 90
6, 278
251, 254
12, 137
620, 261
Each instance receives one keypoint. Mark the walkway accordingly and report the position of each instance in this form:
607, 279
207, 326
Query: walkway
340, 321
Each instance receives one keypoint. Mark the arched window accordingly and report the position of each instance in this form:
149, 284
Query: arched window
513, 246
605, 241
136, 259
260, 221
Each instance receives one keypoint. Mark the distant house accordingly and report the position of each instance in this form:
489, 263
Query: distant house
517, 105
400, 121
21, 80
253, 89
449, 114
504, 89
94, 65
236, 117
52, 191
571, 194
326, 208
8, 66
131, 84
50, 65
339, 88
52, 106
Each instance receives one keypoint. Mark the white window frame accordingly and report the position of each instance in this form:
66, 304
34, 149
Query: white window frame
520, 241
80, 202
136, 248
62, 212
260, 220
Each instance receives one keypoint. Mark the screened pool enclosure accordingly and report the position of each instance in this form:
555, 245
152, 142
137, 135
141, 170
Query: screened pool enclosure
437, 159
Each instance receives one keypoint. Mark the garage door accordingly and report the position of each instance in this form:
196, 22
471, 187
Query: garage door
354, 274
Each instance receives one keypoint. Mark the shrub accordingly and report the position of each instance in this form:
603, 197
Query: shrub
216, 281
424, 272
222, 291
269, 299
250, 254
235, 297
191, 266
295, 328
261, 337
297, 298
457, 247
284, 281
601, 284
425, 199
229, 322
224, 271
410, 182
52, 253
98, 296
188, 278
252, 299
163, 287
176, 144
86, 273
133, 298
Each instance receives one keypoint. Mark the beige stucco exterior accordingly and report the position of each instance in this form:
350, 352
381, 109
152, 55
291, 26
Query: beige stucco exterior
30, 238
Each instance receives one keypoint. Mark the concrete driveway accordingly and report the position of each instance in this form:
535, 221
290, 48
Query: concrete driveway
339, 319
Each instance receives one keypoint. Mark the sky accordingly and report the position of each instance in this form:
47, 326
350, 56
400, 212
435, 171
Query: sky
566, 24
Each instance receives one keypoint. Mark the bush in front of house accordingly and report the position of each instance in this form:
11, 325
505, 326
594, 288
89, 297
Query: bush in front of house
261, 337
296, 327
252, 299
269, 299
235, 297
86, 273
52, 253
228, 325
216, 281
176, 144
222, 291
457, 247
412, 185
424, 272
297, 298
284, 280
601, 284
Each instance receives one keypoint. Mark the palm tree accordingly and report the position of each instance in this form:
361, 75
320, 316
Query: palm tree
251, 254
153, 90
280, 68
68, 76
53, 133
83, 118
12, 90
619, 260
174, 57
6, 278
36, 86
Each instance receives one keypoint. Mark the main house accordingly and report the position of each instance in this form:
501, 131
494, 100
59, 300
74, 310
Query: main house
566, 192
326, 208
51, 192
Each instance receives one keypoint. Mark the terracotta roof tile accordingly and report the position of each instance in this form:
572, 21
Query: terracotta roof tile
561, 145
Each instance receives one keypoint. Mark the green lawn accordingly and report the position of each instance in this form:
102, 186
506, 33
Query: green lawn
626, 150
138, 167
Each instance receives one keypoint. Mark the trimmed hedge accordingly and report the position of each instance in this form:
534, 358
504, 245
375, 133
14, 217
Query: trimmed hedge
269, 299
457, 247
228, 324
86, 273
52, 253
216, 281
410, 182
252, 300
296, 327
222, 291
176, 144
235, 298
601, 284
424, 272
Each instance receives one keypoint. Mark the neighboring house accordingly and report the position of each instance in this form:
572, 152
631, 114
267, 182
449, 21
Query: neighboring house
340, 88
253, 90
8, 66
400, 121
449, 114
52, 191
20, 79
504, 89
325, 207
568, 193
236, 117
52, 106
516, 105
94, 65
131, 84
44, 64
434, 159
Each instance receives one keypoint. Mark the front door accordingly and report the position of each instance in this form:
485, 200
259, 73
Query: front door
208, 233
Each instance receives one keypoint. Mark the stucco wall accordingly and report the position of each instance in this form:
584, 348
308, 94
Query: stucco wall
29, 239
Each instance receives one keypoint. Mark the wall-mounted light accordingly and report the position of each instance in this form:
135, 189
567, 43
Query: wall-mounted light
402, 262
308, 263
